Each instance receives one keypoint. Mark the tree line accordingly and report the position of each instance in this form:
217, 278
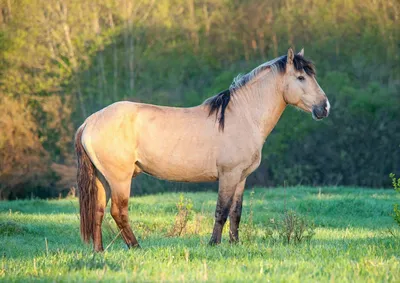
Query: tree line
62, 60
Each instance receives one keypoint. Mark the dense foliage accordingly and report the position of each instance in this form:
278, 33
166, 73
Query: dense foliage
62, 60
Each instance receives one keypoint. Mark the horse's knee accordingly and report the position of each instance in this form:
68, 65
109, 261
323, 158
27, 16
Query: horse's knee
222, 210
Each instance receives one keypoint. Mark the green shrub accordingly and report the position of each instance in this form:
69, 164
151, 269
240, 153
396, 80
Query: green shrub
10, 228
292, 228
184, 214
248, 229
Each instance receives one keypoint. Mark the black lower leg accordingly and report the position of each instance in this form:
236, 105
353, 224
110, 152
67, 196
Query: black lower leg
234, 217
221, 215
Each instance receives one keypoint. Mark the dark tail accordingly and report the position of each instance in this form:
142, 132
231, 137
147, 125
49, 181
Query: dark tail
86, 178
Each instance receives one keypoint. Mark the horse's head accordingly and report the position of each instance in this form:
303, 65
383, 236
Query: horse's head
300, 88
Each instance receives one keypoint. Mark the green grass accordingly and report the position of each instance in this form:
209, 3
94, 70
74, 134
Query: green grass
352, 241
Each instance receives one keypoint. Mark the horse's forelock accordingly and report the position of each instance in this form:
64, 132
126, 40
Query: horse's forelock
299, 63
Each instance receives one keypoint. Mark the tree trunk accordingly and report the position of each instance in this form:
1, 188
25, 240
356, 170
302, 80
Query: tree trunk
193, 25
115, 59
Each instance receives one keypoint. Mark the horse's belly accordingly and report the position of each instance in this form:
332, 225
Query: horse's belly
183, 171
178, 163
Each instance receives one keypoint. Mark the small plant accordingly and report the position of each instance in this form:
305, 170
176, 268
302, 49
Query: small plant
292, 228
396, 207
184, 213
10, 228
248, 229
71, 193
199, 218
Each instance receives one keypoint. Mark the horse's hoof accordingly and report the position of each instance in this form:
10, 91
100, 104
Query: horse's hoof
98, 250
213, 242
137, 246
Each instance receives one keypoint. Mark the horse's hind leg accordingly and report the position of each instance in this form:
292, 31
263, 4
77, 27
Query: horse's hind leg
119, 210
100, 208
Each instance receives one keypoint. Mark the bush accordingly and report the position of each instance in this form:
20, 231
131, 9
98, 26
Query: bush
184, 213
24, 163
249, 229
292, 228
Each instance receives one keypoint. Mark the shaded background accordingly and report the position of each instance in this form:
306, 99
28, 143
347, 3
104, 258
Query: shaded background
62, 60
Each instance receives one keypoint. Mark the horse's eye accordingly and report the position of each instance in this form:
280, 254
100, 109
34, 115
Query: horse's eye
301, 78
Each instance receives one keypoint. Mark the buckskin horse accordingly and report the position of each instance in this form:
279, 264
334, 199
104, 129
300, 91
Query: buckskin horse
221, 139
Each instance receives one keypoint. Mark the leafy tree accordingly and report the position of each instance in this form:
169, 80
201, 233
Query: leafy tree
64, 59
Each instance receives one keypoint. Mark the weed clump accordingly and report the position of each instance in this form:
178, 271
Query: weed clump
184, 214
10, 228
396, 208
248, 229
291, 228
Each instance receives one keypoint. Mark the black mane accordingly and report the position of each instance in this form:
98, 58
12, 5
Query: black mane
219, 102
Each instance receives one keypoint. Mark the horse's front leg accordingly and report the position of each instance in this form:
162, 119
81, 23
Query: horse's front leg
236, 212
227, 187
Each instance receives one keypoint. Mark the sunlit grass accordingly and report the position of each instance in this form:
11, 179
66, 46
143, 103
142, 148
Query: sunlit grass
352, 240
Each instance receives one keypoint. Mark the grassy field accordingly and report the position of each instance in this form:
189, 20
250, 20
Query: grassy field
354, 241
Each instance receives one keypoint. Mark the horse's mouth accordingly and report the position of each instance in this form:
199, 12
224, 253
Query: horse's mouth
316, 117
320, 111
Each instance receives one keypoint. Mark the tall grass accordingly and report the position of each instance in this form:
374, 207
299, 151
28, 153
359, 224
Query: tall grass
39, 240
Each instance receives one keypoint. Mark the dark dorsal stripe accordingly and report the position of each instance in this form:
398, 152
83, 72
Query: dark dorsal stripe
219, 102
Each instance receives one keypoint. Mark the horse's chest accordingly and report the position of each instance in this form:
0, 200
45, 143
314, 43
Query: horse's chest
246, 158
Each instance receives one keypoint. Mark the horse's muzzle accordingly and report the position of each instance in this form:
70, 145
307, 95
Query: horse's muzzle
321, 111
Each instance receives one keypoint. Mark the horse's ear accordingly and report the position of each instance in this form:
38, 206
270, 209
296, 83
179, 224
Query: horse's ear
289, 60
301, 53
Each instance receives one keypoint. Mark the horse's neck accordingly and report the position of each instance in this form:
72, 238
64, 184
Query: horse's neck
262, 103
